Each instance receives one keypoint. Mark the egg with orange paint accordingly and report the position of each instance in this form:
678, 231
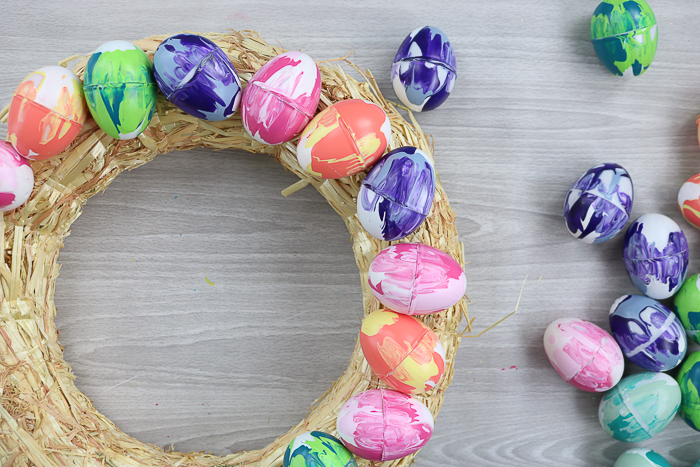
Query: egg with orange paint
402, 351
46, 113
689, 200
344, 139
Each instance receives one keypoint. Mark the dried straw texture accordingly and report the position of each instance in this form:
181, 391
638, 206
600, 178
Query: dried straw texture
45, 420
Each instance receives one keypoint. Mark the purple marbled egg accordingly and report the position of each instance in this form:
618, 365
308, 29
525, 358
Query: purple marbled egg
424, 69
397, 194
656, 256
649, 334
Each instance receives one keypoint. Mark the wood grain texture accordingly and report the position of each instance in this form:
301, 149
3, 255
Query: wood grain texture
176, 361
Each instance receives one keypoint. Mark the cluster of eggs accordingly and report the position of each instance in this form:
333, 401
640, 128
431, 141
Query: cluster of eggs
120, 89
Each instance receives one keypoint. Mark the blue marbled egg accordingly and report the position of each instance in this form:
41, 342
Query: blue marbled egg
424, 69
641, 457
196, 75
656, 255
639, 407
598, 205
650, 335
397, 194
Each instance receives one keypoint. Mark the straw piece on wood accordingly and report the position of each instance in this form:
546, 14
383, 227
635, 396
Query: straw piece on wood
44, 419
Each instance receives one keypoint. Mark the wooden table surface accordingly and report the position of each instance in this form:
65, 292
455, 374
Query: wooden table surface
230, 365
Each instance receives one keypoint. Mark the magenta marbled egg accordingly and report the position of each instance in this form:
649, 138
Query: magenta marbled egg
585, 355
16, 178
416, 279
281, 98
382, 425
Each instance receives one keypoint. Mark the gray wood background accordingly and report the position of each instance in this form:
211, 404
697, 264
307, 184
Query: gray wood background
230, 366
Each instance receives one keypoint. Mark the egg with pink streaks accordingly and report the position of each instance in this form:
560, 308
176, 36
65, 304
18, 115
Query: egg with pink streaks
16, 178
416, 279
585, 355
383, 425
281, 98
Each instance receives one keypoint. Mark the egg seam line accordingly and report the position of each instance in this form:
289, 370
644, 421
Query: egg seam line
414, 346
595, 354
429, 60
352, 138
381, 393
654, 335
279, 96
637, 416
416, 272
393, 199
623, 33
116, 85
655, 257
589, 192
32, 102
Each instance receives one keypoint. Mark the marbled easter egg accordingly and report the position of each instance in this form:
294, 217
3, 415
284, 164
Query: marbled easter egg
47, 113
584, 355
281, 98
344, 139
689, 381
383, 425
397, 194
317, 449
649, 334
196, 75
402, 351
416, 279
424, 69
641, 457
120, 89
598, 205
639, 407
624, 35
656, 255
689, 200
16, 178
687, 306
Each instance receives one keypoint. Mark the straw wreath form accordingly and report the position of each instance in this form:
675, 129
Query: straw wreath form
45, 420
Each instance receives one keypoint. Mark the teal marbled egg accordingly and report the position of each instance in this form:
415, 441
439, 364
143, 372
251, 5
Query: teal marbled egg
689, 381
317, 449
640, 406
641, 457
624, 34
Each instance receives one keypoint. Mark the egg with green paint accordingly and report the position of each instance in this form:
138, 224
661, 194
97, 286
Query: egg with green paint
689, 381
687, 306
120, 89
641, 457
639, 407
624, 35
317, 449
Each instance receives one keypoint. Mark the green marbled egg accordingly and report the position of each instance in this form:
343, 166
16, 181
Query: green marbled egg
689, 380
120, 89
317, 449
640, 406
641, 457
687, 304
624, 34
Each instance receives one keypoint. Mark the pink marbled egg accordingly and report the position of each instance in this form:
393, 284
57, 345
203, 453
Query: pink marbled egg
281, 98
16, 178
416, 279
585, 355
382, 425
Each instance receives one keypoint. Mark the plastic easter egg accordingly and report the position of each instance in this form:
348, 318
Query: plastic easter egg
344, 139
624, 35
639, 407
687, 306
196, 75
689, 200
402, 351
281, 98
584, 355
416, 279
47, 113
120, 90
397, 194
641, 457
383, 425
16, 178
649, 334
689, 381
424, 69
656, 255
598, 205
317, 449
